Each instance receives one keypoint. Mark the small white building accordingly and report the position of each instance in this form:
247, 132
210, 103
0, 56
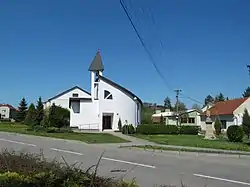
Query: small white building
7, 111
189, 117
102, 108
229, 112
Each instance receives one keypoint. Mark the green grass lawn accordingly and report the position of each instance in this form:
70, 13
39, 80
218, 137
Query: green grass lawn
84, 137
195, 141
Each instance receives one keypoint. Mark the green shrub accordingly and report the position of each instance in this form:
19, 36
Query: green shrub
52, 129
58, 130
128, 129
192, 130
29, 170
120, 125
38, 128
235, 133
131, 129
217, 126
157, 129
65, 130
58, 116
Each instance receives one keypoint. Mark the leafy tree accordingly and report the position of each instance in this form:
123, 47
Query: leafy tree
208, 99
31, 116
22, 110
167, 103
181, 107
196, 107
217, 126
219, 97
39, 111
147, 113
246, 123
246, 93
58, 117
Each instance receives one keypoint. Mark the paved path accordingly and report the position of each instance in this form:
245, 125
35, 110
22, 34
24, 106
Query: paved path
149, 168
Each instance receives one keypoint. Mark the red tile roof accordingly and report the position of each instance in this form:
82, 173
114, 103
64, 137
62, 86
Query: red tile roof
226, 107
9, 106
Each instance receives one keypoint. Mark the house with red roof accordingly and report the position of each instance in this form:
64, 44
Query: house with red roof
229, 112
7, 111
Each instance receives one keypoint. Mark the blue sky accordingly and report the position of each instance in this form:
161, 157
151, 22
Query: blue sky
47, 46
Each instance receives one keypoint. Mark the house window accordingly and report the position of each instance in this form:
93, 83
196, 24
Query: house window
107, 95
191, 120
75, 95
184, 120
223, 124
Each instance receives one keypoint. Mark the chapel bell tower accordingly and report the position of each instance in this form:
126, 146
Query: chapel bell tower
96, 68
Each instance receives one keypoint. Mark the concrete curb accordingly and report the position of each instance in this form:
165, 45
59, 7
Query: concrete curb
185, 149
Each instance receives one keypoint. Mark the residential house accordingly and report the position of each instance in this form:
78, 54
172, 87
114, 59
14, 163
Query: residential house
229, 112
188, 117
102, 108
156, 118
7, 112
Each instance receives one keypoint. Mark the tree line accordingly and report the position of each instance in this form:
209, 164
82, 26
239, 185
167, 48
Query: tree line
208, 99
36, 116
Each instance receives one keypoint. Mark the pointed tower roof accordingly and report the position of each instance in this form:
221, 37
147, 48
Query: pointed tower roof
96, 64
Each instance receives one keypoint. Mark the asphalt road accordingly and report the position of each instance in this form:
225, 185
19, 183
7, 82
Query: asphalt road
149, 168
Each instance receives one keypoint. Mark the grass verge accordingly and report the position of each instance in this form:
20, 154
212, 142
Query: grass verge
161, 148
196, 141
84, 137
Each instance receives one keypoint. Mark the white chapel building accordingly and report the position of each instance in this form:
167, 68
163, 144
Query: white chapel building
103, 107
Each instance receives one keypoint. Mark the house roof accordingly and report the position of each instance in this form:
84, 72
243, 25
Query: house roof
69, 90
225, 107
9, 106
172, 113
96, 64
119, 87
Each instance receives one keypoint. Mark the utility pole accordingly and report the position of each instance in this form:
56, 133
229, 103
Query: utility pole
178, 91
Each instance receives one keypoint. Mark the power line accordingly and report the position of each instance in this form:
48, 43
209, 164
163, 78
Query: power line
148, 52
191, 99
144, 45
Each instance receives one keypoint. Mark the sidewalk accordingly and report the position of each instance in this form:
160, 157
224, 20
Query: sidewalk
134, 140
141, 142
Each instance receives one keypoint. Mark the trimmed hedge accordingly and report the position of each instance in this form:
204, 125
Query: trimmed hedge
157, 129
235, 133
192, 130
166, 129
29, 170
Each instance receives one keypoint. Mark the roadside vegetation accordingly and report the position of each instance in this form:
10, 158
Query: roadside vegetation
29, 170
52, 122
189, 136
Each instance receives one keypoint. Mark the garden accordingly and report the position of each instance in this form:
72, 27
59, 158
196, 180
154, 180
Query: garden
235, 138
